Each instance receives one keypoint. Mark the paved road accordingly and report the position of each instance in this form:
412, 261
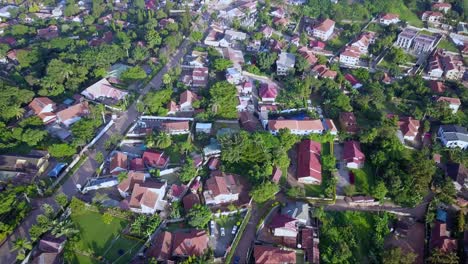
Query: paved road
89, 167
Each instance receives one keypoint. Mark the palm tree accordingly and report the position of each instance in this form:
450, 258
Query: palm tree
163, 140
19, 112
22, 245
63, 228
122, 176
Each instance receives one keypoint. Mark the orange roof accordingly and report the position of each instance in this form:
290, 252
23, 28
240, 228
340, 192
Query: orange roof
193, 243
142, 196
295, 124
175, 125
133, 177
450, 100
78, 110
39, 103
326, 25
389, 16
269, 254
188, 97
119, 160
161, 246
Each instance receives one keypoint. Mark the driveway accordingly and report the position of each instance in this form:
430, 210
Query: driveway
342, 173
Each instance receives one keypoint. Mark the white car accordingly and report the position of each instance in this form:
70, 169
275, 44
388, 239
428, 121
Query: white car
222, 231
234, 230
212, 227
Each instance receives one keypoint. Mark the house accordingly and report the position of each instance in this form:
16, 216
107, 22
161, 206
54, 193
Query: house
236, 56
264, 254
352, 155
297, 210
310, 244
175, 127
323, 72
329, 126
155, 159
103, 89
200, 77
446, 64
186, 100
190, 200
234, 76
405, 38
278, 12
297, 2
49, 250
234, 35
350, 56
221, 188
453, 136
285, 63
276, 175
266, 31
423, 43
297, 127
389, 18
147, 197
44, 108
178, 244
5, 11
137, 164
459, 175
348, 122
453, 103
29, 165
176, 192
214, 163
48, 33
268, 92
125, 187
437, 87
353, 81
309, 168
432, 17
173, 108
283, 226
214, 36
73, 114
408, 128
248, 121
444, 7
324, 30
440, 238
308, 55
118, 163
363, 42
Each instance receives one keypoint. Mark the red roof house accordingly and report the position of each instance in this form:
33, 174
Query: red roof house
268, 254
348, 122
276, 176
73, 113
353, 155
190, 200
268, 92
440, 238
118, 163
137, 164
44, 108
155, 159
309, 168
221, 188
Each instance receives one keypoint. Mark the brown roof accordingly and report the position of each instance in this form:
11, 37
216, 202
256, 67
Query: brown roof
174, 126
193, 243
269, 254
325, 25
450, 100
295, 124
141, 195
220, 183
389, 16
188, 96
437, 87
119, 160
190, 200
39, 103
133, 178
161, 246
409, 126
78, 110
439, 238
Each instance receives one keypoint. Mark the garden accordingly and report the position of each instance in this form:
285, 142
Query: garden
101, 237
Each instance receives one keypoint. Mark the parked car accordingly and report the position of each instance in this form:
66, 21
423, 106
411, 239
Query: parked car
234, 230
212, 228
222, 231
236, 260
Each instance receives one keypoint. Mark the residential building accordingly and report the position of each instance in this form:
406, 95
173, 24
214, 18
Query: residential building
297, 127
423, 43
44, 108
443, 63
73, 114
432, 17
408, 128
190, 200
453, 136
266, 31
203, 128
309, 167
268, 92
278, 12
236, 56
330, 127
285, 63
186, 101
143, 195
352, 155
264, 254
49, 250
102, 90
405, 38
199, 77
48, 33
283, 226
437, 87
389, 18
348, 122
453, 103
308, 55
443, 7
324, 30
276, 175
125, 187
324, 72
118, 163
155, 159
214, 36
363, 42
310, 243
214, 163
459, 175
221, 188
178, 244
440, 238
356, 84
350, 56
173, 108
297, 210
234, 76
176, 192
27, 165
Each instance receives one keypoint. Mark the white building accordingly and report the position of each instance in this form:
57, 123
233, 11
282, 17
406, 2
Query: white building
297, 127
453, 136
324, 30
388, 19
285, 63
221, 188
453, 103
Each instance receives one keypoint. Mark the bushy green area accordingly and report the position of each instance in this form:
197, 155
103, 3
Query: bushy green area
447, 45
352, 237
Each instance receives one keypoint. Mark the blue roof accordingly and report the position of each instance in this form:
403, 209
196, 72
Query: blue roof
57, 169
68, 101
441, 215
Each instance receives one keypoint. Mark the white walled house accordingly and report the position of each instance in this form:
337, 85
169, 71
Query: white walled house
221, 188
324, 30
453, 136
285, 63
297, 127
453, 103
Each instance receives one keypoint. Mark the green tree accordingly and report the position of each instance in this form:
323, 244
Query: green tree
163, 140
266, 60
122, 176
223, 100
188, 171
152, 38
21, 245
133, 74
264, 192
199, 216
379, 191
196, 36
397, 256
222, 64
99, 157
61, 150
62, 200
27, 57
107, 218
438, 256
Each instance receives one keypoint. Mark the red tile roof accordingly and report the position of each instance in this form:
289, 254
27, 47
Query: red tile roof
190, 200
137, 164
308, 164
450, 100
389, 16
437, 87
78, 110
295, 124
439, 238
350, 78
193, 243
161, 248
269, 254
409, 126
39, 103
352, 152
326, 25
133, 178
155, 158
188, 96
268, 90
119, 160
170, 126
220, 183
283, 221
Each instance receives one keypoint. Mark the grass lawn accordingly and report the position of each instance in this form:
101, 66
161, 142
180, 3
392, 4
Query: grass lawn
406, 14
312, 190
338, 42
447, 45
81, 259
364, 180
101, 238
375, 27
176, 226
123, 250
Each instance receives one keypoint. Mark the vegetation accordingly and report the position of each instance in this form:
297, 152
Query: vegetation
264, 192
397, 256
199, 216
